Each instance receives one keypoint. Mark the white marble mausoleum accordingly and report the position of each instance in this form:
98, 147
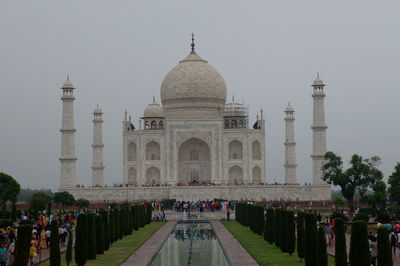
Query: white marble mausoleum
194, 145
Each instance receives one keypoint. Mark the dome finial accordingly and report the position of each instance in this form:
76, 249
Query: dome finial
67, 76
192, 42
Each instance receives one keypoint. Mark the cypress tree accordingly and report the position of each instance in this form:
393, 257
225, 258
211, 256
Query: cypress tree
291, 233
277, 231
261, 220
340, 243
130, 224
135, 217
111, 229
311, 240
322, 254
359, 247
99, 234
283, 234
384, 248
300, 236
91, 237
55, 259
81, 240
122, 219
116, 224
68, 253
269, 230
104, 215
23, 244
149, 213
142, 215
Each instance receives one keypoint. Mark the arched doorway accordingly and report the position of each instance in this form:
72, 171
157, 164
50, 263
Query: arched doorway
235, 175
194, 161
132, 176
153, 176
257, 175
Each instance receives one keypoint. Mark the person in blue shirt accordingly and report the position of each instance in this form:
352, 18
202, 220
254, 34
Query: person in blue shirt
3, 255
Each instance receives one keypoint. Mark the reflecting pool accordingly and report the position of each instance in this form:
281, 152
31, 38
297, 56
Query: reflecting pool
192, 243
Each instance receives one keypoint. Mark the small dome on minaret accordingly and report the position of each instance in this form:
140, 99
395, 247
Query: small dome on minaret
318, 81
97, 110
153, 110
68, 84
289, 108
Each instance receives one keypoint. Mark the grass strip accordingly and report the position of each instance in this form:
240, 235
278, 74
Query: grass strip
120, 250
263, 252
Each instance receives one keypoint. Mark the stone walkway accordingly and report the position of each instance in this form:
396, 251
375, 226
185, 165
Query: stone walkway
143, 255
236, 253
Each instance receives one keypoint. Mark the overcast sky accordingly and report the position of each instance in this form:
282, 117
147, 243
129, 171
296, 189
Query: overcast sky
118, 52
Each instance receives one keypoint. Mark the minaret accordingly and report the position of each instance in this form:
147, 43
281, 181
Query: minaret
290, 147
97, 167
68, 158
319, 130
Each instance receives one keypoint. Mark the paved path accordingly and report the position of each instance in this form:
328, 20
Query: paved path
143, 255
236, 253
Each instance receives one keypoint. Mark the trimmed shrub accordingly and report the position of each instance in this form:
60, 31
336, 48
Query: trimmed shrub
300, 236
55, 259
116, 224
361, 216
91, 237
23, 244
277, 231
339, 215
68, 253
130, 222
111, 224
291, 233
149, 213
99, 234
104, 215
142, 215
340, 243
81, 240
384, 248
359, 247
322, 254
122, 220
311, 240
283, 232
135, 217
269, 226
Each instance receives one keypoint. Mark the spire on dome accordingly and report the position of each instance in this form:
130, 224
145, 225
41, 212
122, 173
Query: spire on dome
154, 99
193, 43
318, 81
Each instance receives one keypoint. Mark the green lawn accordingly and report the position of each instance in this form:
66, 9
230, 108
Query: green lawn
263, 252
120, 250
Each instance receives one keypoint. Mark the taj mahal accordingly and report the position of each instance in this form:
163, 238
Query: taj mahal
194, 145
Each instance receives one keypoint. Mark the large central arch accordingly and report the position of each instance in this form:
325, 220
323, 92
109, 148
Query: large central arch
194, 161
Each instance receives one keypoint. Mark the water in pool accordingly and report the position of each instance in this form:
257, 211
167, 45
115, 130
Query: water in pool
191, 244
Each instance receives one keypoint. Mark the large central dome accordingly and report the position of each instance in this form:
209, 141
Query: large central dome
193, 84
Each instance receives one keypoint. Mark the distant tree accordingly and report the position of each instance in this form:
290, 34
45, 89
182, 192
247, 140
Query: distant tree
23, 244
14, 212
311, 240
82, 203
394, 182
68, 254
81, 240
338, 201
300, 235
106, 229
340, 243
39, 202
322, 254
384, 248
361, 174
379, 197
55, 258
291, 233
92, 249
359, 247
64, 198
26, 193
99, 234
9, 189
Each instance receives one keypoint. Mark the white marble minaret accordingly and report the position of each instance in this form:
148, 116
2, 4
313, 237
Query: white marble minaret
290, 147
98, 167
319, 130
68, 158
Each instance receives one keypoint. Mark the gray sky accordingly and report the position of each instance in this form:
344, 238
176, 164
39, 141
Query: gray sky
118, 52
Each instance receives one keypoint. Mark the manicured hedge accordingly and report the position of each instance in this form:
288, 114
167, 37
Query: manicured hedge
104, 214
23, 244
384, 247
340, 243
55, 258
91, 237
359, 247
300, 236
98, 220
322, 254
311, 240
81, 240
291, 233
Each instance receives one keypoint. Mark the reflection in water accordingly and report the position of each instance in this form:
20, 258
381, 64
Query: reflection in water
191, 244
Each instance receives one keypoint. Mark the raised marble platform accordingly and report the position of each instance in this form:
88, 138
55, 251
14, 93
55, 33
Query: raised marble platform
195, 193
